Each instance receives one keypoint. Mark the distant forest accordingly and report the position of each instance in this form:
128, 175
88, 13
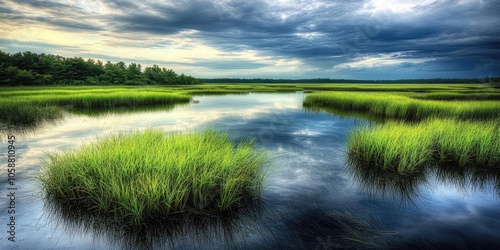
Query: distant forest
27, 68
491, 80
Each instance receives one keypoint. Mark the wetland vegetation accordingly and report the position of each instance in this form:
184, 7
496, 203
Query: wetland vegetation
460, 127
417, 133
445, 114
149, 176
407, 148
26, 106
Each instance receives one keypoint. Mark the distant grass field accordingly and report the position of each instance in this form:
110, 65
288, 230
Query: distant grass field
450, 96
147, 176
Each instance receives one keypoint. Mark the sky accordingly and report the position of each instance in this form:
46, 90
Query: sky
357, 39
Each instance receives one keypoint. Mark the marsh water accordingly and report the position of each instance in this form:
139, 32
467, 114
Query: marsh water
312, 198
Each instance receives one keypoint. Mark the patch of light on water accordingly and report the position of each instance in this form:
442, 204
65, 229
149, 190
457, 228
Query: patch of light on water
306, 132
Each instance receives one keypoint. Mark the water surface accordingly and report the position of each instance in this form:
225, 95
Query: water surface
312, 198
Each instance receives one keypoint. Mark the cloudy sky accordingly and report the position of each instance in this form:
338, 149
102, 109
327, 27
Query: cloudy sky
360, 39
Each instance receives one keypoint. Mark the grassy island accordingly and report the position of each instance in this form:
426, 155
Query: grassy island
143, 176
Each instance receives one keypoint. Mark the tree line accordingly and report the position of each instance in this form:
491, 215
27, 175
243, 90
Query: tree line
28, 68
491, 80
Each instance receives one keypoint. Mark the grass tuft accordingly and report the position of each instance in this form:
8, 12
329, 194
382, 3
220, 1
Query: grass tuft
148, 175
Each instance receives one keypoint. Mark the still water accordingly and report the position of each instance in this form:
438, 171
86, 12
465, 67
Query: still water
312, 198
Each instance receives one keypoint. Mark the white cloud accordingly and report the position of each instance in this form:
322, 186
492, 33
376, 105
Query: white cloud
395, 6
381, 60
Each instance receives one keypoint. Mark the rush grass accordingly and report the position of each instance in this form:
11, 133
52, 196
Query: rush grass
147, 175
452, 96
405, 148
28, 107
402, 106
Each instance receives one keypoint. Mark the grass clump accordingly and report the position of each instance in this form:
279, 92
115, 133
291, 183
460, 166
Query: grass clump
150, 175
405, 148
393, 146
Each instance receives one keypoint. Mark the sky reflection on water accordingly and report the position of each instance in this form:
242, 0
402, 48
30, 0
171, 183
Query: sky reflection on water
312, 198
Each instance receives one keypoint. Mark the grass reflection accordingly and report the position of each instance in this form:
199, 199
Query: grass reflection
387, 183
405, 187
193, 230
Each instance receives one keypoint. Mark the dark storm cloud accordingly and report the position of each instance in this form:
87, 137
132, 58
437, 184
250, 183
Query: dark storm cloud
444, 36
208, 17
5, 9
460, 37
44, 4
70, 25
60, 16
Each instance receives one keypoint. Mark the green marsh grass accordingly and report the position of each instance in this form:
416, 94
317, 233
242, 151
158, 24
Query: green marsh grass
451, 96
347, 114
109, 100
392, 146
31, 106
405, 148
150, 175
401, 106
97, 112
20, 113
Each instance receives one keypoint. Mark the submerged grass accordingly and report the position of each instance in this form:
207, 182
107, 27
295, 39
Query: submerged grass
148, 175
405, 148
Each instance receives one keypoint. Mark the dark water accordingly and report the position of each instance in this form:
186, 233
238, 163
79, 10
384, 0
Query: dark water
312, 199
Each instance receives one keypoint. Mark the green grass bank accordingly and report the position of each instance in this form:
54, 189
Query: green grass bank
404, 106
30, 106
